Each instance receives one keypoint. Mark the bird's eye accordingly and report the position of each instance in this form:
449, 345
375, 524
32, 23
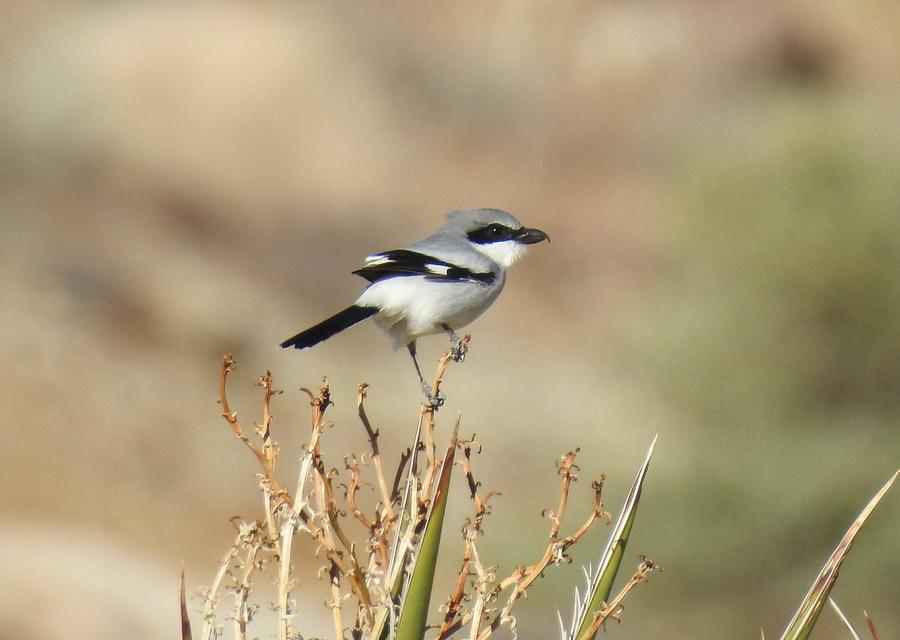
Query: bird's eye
490, 233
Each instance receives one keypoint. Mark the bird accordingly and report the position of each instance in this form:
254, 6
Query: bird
436, 285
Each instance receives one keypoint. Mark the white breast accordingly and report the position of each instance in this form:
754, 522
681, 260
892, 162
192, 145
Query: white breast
412, 306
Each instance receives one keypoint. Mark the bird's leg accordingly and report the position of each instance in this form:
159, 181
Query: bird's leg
457, 349
434, 400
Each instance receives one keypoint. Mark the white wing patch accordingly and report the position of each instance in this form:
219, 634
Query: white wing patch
438, 269
376, 259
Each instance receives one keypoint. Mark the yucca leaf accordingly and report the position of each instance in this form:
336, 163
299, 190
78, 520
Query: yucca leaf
600, 582
395, 574
414, 614
804, 620
185, 619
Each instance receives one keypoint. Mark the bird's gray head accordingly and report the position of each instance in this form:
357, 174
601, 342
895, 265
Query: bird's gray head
495, 233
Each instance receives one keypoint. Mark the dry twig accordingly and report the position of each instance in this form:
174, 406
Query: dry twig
615, 605
556, 549
244, 588
376, 453
872, 628
266, 453
392, 528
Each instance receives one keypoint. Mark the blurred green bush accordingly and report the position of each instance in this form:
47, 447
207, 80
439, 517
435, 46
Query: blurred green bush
785, 295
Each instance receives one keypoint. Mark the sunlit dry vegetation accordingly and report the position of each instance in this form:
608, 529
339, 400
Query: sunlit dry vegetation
382, 577
381, 581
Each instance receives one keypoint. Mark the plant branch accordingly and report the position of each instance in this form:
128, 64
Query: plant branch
524, 577
376, 453
267, 453
613, 609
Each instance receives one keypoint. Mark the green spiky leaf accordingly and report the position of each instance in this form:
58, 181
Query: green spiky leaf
414, 614
601, 581
400, 550
804, 620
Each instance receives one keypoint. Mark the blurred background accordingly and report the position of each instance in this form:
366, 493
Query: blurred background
720, 181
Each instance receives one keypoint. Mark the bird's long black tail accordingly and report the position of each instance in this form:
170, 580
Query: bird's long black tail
327, 328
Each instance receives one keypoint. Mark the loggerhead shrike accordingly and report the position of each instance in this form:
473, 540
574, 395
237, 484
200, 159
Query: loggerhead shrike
437, 285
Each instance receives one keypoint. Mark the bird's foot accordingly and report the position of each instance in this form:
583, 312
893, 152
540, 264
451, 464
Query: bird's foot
435, 401
458, 346
458, 349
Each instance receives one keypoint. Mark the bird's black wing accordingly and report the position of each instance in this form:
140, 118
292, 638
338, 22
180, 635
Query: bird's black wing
403, 262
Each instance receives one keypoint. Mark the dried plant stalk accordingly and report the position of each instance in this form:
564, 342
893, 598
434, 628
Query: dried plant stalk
523, 578
872, 628
245, 585
266, 453
374, 580
615, 605
373, 434
186, 633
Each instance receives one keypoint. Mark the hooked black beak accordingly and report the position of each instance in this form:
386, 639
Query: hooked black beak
531, 236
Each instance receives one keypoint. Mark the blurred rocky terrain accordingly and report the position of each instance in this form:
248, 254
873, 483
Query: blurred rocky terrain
720, 182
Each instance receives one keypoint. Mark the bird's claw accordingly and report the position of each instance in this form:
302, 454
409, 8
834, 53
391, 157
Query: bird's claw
435, 400
458, 350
